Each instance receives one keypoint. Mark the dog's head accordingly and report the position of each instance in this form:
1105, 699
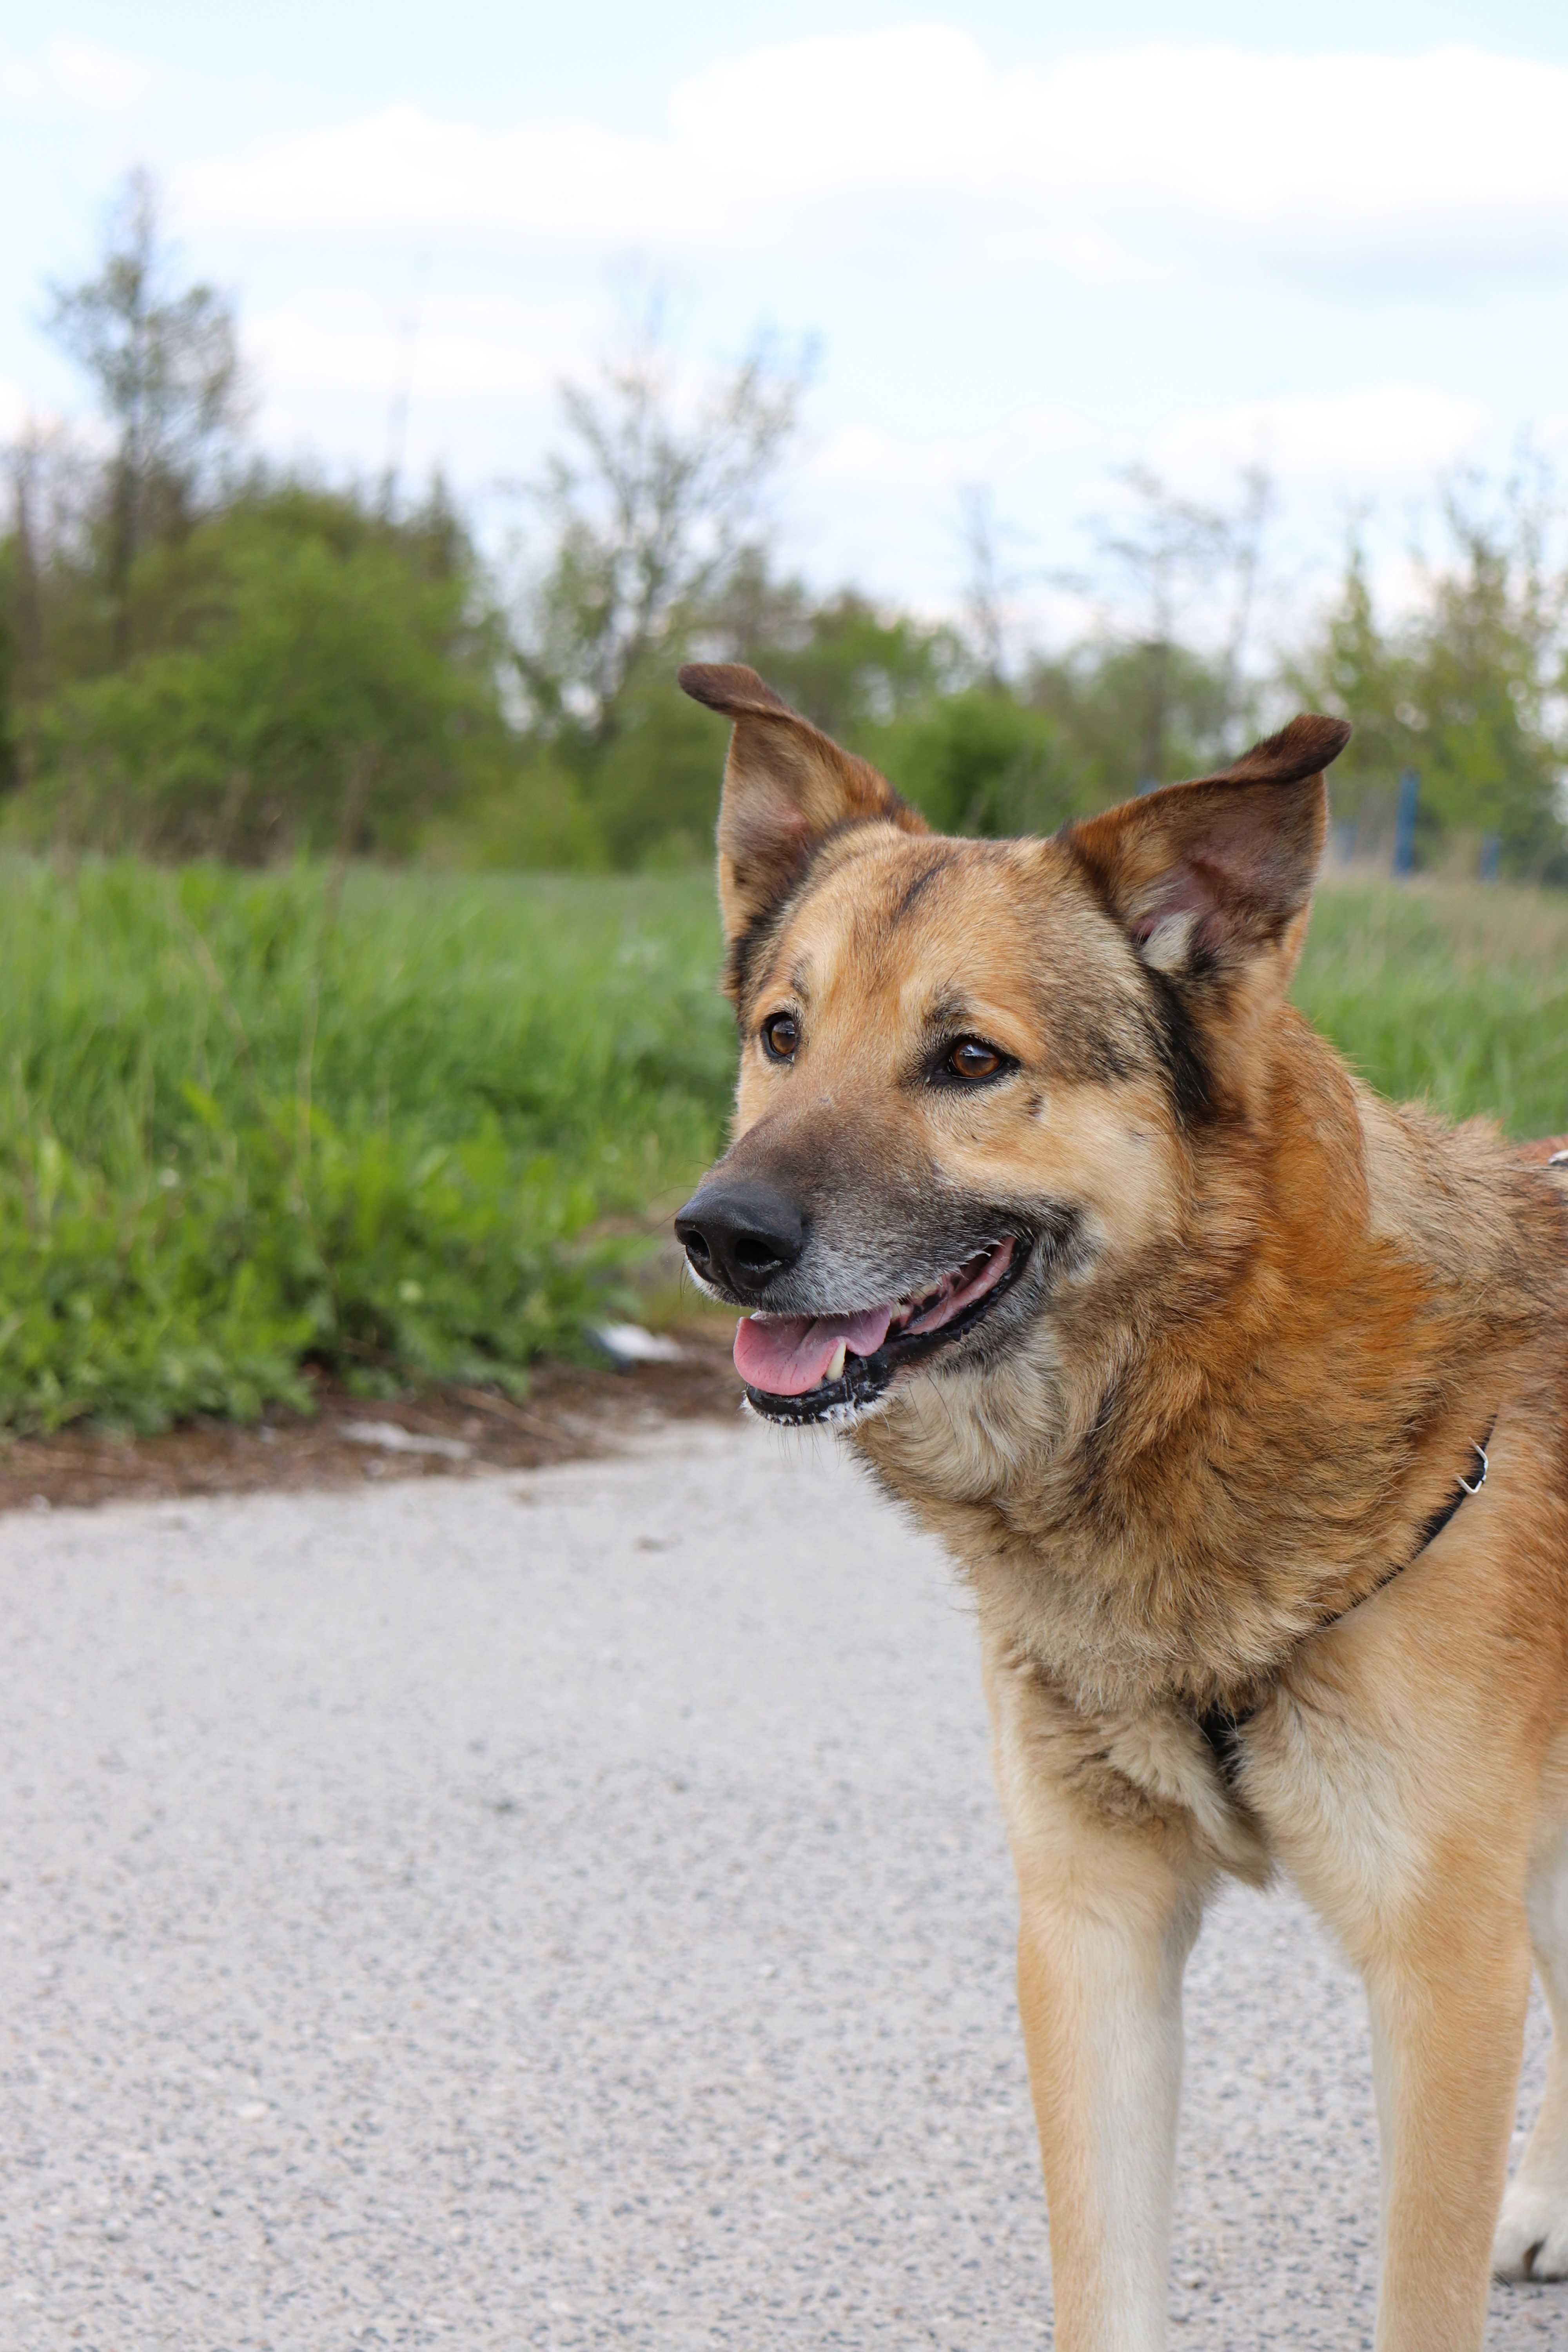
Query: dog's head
974, 1074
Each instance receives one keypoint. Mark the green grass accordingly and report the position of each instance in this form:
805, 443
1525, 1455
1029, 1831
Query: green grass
248, 1126
400, 1131
1456, 995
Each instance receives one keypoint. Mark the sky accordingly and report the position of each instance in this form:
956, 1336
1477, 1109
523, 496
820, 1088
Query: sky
1027, 247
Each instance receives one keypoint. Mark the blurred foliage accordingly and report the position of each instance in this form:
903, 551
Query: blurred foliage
1466, 691
164, 362
1107, 702
198, 659
980, 761
310, 674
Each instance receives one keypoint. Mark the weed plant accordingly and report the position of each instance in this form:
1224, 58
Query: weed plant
402, 1127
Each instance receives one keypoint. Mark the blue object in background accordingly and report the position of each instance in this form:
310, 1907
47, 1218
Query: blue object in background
1404, 823
1491, 855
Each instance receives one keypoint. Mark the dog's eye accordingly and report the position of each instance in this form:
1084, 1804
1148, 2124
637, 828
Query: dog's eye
971, 1059
781, 1035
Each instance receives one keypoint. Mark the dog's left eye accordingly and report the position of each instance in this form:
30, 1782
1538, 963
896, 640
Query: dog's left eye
780, 1035
972, 1062
972, 1059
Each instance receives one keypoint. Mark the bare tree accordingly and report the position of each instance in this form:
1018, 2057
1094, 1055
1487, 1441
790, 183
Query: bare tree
50, 483
652, 507
24, 462
1174, 557
166, 365
1245, 528
984, 594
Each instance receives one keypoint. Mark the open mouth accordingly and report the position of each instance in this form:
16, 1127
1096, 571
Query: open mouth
804, 1367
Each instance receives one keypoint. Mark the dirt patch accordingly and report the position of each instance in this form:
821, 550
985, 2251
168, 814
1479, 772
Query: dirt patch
569, 1413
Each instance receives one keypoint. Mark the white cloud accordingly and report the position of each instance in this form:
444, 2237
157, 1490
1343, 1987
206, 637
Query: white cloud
342, 341
79, 77
1093, 163
1385, 436
865, 456
402, 171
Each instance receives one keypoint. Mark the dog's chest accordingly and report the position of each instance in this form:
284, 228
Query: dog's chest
1126, 1597
1115, 1626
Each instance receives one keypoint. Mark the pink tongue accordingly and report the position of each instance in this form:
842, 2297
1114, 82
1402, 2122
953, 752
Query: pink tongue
787, 1354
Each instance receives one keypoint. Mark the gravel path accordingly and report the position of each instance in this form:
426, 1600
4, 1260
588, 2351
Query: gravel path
571, 1911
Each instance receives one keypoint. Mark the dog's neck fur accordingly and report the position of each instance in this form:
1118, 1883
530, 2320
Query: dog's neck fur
1272, 1402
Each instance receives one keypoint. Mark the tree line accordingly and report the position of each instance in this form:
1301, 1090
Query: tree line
201, 655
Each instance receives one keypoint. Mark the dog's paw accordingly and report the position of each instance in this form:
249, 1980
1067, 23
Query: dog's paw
1532, 2240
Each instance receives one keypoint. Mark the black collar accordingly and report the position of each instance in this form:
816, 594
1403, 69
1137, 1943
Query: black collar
1463, 1489
1221, 1728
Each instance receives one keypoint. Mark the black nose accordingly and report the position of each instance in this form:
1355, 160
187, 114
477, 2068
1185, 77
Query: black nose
741, 1234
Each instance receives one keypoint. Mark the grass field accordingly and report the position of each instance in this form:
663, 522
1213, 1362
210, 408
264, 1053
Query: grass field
252, 1123
1456, 994
247, 1124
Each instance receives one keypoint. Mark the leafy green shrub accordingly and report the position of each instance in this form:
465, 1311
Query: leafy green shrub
309, 678
653, 788
978, 762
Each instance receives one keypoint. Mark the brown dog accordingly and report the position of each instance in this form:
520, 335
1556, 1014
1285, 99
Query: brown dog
1241, 1400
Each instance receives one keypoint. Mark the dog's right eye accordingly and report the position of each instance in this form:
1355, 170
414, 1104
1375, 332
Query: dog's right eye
781, 1035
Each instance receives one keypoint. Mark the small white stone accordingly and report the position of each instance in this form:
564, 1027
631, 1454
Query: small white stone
394, 1439
628, 1343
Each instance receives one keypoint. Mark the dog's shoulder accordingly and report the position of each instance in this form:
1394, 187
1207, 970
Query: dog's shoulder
1464, 1201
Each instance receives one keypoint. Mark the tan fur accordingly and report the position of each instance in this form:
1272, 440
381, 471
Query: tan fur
1283, 1313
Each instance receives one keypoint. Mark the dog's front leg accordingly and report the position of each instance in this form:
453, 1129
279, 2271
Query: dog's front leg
1399, 1796
1448, 2000
1531, 2239
1110, 1896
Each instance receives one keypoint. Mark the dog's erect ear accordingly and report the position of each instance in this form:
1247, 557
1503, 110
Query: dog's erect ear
1207, 875
786, 785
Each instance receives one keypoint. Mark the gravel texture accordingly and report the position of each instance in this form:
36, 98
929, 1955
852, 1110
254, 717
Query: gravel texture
569, 1911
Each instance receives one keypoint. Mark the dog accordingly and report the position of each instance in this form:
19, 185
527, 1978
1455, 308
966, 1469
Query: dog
1241, 1399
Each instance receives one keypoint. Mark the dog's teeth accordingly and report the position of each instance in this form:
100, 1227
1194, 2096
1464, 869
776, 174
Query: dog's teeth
835, 1368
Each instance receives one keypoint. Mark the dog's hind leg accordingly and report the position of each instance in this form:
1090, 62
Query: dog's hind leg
1111, 1895
1532, 2234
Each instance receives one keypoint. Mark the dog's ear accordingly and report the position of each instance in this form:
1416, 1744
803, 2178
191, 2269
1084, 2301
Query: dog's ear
1210, 876
786, 785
